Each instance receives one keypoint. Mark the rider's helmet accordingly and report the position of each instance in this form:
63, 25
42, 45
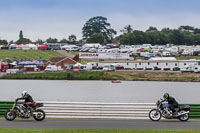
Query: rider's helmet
166, 96
24, 93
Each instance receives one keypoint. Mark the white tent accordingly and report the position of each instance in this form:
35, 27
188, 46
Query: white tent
29, 47
163, 58
13, 46
92, 45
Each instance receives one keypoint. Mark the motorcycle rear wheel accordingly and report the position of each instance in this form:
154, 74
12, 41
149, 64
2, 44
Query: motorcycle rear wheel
10, 115
40, 115
155, 115
184, 117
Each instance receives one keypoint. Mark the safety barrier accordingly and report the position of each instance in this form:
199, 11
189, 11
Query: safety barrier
99, 110
195, 111
5, 105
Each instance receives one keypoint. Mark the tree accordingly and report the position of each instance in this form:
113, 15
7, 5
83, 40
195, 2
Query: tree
139, 37
152, 37
151, 28
187, 28
39, 41
72, 39
3, 42
23, 40
128, 39
52, 40
196, 38
178, 38
64, 41
11, 42
184, 35
98, 24
96, 38
21, 35
127, 29
196, 31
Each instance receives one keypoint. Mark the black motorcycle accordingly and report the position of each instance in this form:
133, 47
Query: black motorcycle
163, 110
25, 110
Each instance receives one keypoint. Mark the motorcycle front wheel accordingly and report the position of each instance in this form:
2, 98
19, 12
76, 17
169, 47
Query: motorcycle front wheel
10, 115
39, 115
155, 115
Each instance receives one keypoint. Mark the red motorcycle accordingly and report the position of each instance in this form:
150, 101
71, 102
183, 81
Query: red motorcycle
25, 110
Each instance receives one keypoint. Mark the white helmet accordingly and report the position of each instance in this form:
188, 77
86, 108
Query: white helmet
24, 93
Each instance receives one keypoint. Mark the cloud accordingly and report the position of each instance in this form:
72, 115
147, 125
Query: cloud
39, 19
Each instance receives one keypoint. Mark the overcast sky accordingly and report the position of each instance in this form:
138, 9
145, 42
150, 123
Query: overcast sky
61, 18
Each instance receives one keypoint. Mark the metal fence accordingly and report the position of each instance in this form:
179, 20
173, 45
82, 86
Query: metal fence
98, 110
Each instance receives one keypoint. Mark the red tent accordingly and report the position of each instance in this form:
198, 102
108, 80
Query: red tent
142, 50
43, 47
20, 46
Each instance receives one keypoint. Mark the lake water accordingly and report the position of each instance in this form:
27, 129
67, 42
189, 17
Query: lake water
100, 91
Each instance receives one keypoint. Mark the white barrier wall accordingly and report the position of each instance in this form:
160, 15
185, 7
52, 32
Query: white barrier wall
97, 110
105, 56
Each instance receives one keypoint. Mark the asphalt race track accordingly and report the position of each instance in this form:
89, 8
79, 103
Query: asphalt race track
98, 124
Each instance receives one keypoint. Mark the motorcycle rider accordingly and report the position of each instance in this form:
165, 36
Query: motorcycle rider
173, 103
27, 99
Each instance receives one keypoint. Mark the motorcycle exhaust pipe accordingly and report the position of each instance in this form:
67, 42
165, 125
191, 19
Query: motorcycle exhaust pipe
184, 113
36, 113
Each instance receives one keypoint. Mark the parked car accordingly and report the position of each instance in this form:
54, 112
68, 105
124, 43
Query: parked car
16, 69
12, 71
31, 68
118, 67
108, 68
99, 67
21, 70
53, 68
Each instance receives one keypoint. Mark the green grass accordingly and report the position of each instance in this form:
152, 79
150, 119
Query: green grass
75, 52
28, 54
181, 58
187, 58
196, 57
92, 131
82, 75
140, 58
97, 75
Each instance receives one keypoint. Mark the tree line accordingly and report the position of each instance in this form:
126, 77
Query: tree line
98, 30
184, 35
22, 40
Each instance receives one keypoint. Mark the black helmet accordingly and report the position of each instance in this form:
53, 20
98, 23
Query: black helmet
166, 96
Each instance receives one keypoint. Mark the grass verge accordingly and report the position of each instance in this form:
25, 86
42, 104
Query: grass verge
118, 75
61, 76
92, 131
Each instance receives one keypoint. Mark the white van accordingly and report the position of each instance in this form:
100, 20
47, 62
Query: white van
53, 68
109, 68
